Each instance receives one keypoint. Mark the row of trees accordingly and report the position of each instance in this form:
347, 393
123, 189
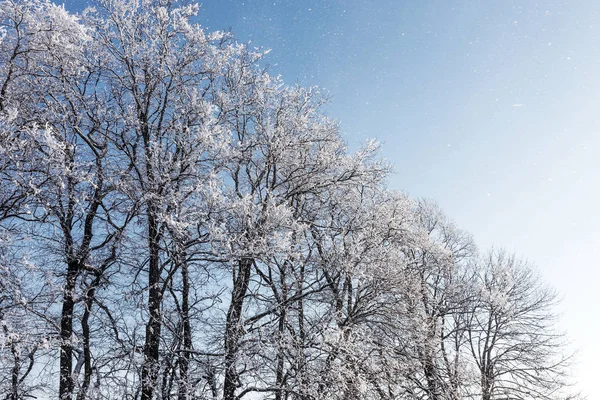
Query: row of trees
177, 224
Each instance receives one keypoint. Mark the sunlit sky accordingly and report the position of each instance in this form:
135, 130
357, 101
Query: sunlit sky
489, 107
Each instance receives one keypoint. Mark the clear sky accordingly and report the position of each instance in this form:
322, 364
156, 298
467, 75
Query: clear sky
489, 107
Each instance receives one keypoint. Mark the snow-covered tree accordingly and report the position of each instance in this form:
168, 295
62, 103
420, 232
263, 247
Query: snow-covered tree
512, 332
177, 223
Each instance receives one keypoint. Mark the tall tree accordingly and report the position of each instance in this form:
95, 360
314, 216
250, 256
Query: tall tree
159, 69
441, 271
512, 332
177, 223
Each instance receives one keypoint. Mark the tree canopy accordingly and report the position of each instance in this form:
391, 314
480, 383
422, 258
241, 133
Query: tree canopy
175, 223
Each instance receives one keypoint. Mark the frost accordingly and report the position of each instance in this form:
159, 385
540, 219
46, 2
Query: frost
190, 224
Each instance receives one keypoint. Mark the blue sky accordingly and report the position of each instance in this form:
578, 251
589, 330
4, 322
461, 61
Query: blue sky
490, 108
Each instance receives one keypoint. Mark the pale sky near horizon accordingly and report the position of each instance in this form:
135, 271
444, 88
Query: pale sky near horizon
487, 107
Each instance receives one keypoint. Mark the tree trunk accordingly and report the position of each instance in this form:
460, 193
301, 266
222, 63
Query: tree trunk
279, 375
65, 390
233, 329
486, 392
14, 393
184, 359
85, 329
154, 324
301, 361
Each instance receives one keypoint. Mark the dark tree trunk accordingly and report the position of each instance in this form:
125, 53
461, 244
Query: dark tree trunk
233, 328
279, 375
184, 360
154, 324
301, 356
14, 395
432, 380
16, 369
486, 386
85, 329
65, 389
